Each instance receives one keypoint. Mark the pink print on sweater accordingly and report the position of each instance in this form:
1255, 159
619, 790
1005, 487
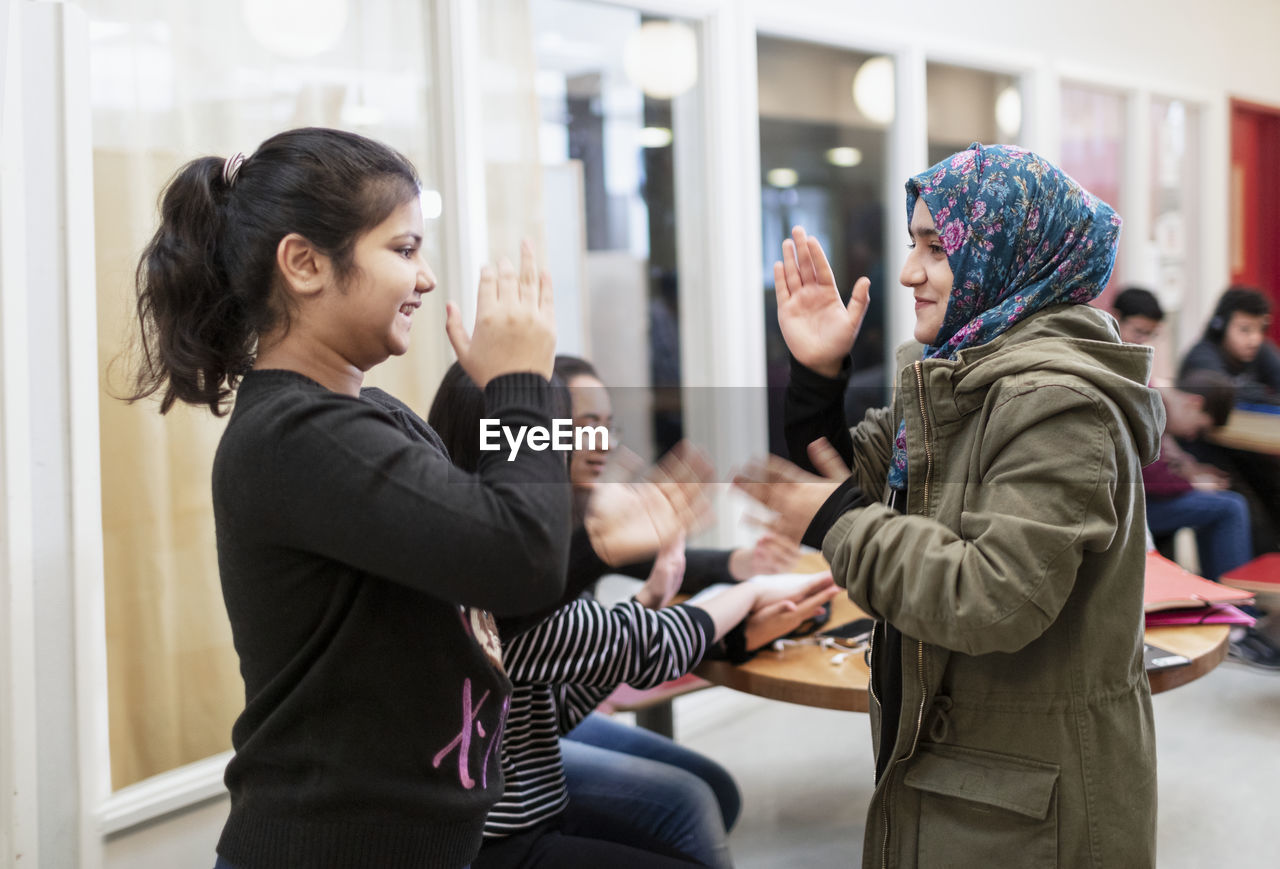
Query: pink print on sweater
462, 742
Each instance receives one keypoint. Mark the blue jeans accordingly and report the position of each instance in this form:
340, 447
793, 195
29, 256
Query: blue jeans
1220, 521
622, 777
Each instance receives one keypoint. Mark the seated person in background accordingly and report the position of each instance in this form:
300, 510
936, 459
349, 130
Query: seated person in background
1235, 345
563, 667
592, 749
1139, 314
1183, 493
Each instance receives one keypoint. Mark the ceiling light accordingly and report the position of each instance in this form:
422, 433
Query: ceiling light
655, 137
782, 177
873, 92
1009, 112
295, 28
661, 58
432, 204
844, 157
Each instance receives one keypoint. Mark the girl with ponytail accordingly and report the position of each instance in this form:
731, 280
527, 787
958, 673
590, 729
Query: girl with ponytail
358, 566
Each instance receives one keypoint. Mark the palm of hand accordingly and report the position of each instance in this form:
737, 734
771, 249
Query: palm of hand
815, 324
628, 522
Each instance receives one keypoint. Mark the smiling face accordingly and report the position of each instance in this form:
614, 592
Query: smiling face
591, 407
379, 299
927, 274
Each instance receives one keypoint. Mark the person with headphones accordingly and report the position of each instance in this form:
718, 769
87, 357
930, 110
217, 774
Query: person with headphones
1235, 343
1235, 346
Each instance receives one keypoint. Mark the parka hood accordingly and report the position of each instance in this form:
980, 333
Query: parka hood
1075, 340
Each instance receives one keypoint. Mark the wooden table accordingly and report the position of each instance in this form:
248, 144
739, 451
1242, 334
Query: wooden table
804, 673
1250, 430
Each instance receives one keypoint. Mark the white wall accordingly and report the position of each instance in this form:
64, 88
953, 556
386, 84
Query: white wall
1178, 47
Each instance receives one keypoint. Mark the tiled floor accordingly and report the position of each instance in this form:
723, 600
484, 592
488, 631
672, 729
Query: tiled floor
806, 773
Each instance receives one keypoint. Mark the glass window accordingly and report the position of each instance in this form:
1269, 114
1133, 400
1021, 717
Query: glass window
1093, 137
171, 82
609, 85
970, 105
824, 121
1173, 243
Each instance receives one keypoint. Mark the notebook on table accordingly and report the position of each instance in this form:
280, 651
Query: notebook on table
1220, 614
1168, 586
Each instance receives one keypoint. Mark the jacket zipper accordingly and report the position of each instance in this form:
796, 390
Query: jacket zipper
915, 738
928, 448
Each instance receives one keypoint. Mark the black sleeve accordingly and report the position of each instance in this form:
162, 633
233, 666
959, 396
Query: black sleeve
585, 567
845, 498
1204, 356
815, 408
1269, 374
339, 478
702, 568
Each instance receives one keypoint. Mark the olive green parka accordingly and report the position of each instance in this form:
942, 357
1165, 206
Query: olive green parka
1026, 735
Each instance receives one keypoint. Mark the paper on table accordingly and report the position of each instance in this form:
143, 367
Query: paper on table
771, 581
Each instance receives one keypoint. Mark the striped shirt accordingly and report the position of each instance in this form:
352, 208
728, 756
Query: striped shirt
561, 670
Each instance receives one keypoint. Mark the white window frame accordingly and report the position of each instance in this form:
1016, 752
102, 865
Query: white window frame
55, 720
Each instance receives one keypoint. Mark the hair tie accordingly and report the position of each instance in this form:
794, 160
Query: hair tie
231, 168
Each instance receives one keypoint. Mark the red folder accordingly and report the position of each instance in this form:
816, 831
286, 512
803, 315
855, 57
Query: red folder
1168, 586
1261, 574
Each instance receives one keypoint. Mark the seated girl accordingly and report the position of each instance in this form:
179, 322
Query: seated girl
562, 668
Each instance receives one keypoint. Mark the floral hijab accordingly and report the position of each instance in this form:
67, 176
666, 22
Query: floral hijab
1020, 235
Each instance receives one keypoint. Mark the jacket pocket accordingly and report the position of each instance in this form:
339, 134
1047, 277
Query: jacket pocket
982, 809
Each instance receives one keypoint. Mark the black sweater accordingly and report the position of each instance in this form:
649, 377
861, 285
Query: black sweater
351, 552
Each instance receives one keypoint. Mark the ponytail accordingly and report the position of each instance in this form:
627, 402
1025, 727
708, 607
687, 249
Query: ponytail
196, 337
205, 281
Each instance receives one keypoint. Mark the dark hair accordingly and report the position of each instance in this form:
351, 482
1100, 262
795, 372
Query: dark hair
455, 414
1237, 299
1137, 302
458, 407
206, 282
569, 367
1217, 390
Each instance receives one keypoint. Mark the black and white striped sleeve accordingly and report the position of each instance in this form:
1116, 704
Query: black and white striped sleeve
590, 645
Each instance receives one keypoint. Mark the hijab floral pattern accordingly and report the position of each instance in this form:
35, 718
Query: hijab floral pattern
1020, 235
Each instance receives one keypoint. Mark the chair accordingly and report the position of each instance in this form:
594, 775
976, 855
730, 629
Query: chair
652, 706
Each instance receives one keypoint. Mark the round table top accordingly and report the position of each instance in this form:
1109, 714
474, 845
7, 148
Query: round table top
823, 677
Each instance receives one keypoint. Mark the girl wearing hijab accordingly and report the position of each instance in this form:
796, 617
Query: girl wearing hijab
992, 523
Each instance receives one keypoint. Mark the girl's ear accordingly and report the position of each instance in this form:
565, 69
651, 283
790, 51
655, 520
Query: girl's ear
306, 271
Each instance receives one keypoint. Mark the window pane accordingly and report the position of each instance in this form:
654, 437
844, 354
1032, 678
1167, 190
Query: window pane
1174, 239
823, 158
172, 81
970, 105
1093, 136
609, 84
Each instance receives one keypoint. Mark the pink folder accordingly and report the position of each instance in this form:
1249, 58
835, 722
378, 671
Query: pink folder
1204, 615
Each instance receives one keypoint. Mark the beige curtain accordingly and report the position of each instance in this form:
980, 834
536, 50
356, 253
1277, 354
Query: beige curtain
173, 81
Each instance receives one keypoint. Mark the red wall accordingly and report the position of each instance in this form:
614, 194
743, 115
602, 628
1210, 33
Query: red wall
1255, 201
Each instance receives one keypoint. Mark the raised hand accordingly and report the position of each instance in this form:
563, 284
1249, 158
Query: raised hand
665, 578
515, 322
793, 494
772, 553
819, 329
628, 522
